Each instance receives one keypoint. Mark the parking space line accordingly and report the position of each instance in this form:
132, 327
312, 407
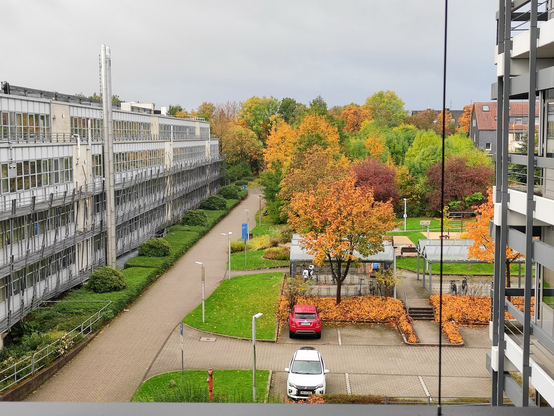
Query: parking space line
424, 386
347, 379
338, 333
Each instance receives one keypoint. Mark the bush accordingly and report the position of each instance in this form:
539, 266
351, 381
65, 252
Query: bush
248, 178
237, 172
195, 217
229, 192
105, 280
273, 242
241, 183
258, 242
214, 203
351, 399
155, 247
236, 246
277, 253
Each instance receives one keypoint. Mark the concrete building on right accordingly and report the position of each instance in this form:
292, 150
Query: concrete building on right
521, 360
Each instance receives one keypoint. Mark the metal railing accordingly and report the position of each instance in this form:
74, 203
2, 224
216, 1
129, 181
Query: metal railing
28, 366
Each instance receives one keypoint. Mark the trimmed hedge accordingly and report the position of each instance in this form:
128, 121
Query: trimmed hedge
155, 247
229, 192
214, 203
106, 279
195, 217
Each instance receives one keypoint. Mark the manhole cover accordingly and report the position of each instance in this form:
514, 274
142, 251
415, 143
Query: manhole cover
207, 339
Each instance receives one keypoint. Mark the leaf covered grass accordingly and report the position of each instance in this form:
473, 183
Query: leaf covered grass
230, 386
230, 307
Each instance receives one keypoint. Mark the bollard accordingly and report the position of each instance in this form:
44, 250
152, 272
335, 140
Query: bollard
210, 384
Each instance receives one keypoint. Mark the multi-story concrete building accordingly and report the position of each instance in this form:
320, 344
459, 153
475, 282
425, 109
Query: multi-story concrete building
523, 218
53, 202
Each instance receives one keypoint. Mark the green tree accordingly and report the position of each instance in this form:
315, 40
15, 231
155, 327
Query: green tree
386, 108
258, 114
318, 106
205, 110
399, 140
174, 109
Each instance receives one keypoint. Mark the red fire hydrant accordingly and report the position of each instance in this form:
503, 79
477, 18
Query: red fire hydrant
210, 381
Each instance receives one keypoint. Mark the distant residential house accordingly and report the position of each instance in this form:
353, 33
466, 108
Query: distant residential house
482, 128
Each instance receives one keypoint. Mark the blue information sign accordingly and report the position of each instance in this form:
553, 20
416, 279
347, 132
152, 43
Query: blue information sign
244, 230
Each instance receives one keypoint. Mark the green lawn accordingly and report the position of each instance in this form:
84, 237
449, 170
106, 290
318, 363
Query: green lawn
230, 307
462, 269
254, 261
230, 386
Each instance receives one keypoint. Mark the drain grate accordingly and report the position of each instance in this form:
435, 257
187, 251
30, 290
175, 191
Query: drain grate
208, 339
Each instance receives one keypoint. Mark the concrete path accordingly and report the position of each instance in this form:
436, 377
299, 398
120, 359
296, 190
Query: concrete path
363, 359
111, 367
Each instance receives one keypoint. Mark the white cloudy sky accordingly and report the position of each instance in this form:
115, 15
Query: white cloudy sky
189, 51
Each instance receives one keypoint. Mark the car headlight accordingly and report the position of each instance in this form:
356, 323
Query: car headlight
319, 386
293, 385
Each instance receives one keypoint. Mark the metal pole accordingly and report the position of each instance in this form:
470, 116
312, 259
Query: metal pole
246, 237
405, 215
254, 317
260, 215
230, 233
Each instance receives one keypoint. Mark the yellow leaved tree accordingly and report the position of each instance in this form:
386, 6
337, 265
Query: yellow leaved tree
335, 219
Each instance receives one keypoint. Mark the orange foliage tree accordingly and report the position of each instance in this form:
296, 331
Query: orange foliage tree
464, 120
353, 117
483, 243
337, 218
449, 123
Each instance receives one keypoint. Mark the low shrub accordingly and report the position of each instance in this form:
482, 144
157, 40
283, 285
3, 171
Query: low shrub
277, 253
155, 247
229, 192
237, 245
195, 217
214, 203
273, 242
351, 399
258, 242
241, 183
248, 178
105, 280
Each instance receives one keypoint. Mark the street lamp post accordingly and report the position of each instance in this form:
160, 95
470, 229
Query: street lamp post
230, 233
260, 215
405, 215
203, 314
246, 237
254, 317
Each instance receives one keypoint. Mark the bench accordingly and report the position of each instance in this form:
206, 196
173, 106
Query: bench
408, 250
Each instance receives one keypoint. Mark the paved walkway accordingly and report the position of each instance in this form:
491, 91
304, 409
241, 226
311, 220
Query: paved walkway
367, 359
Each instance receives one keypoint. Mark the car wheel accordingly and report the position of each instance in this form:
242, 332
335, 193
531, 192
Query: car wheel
291, 334
318, 335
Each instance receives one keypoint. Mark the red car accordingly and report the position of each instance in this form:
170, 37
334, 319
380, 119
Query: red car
304, 319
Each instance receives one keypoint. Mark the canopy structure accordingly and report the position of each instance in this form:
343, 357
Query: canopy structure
299, 255
453, 251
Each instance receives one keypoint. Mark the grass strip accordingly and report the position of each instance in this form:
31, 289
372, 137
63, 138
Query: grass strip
229, 309
230, 386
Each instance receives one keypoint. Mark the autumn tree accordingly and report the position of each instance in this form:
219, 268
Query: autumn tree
449, 123
354, 116
308, 171
280, 146
380, 178
460, 181
205, 110
386, 108
316, 130
464, 120
423, 120
336, 219
240, 144
224, 115
483, 243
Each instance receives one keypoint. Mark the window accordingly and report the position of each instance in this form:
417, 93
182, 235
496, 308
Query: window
487, 146
519, 121
486, 108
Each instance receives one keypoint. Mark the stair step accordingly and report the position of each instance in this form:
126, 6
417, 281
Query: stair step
422, 313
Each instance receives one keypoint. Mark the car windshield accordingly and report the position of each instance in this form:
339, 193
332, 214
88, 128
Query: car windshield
306, 367
305, 315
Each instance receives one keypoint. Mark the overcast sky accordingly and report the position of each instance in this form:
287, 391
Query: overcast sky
189, 51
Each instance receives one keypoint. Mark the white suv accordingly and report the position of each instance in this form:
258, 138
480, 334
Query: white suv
306, 374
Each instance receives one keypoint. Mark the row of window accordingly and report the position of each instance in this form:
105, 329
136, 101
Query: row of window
128, 161
37, 224
37, 272
131, 130
87, 127
33, 174
23, 125
182, 154
180, 132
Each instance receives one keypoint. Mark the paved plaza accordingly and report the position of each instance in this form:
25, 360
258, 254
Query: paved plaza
363, 359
